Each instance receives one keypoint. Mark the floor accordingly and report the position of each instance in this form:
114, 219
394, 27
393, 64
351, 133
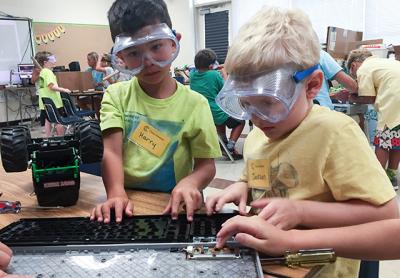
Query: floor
232, 171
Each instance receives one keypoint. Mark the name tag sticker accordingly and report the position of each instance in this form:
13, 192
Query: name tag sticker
258, 173
150, 138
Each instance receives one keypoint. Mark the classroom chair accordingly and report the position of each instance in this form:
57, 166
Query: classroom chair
72, 110
55, 117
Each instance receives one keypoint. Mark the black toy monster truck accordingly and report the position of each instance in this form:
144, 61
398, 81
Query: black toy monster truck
54, 161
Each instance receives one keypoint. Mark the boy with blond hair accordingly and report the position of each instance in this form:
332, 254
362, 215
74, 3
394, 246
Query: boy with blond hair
158, 135
300, 151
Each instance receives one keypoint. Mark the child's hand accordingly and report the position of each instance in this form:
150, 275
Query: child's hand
280, 212
5, 256
236, 193
188, 194
67, 91
256, 233
121, 204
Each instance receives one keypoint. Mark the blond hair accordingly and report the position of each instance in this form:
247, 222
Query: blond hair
271, 38
357, 55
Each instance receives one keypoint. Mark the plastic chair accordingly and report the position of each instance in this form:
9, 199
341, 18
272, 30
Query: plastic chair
74, 66
72, 110
54, 115
223, 145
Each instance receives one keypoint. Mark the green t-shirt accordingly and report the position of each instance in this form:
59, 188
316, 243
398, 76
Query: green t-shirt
209, 83
184, 117
46, 78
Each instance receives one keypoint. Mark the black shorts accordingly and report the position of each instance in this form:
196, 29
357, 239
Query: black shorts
43, 115
232, 122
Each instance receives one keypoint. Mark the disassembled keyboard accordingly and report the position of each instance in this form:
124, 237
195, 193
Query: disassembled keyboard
141, 246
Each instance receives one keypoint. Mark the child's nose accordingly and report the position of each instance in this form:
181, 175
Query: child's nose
147, 61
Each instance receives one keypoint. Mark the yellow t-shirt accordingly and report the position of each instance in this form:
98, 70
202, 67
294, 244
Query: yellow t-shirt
326, 158
185, 118
381, 78
46, 78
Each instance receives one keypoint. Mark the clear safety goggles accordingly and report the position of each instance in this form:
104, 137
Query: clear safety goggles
156, 43
52, 59
269, 96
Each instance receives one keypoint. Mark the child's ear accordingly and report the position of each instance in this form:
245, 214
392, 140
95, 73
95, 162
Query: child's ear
314, 83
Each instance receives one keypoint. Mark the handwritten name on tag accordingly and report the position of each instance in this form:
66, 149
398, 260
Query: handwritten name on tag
150, 139
258, 173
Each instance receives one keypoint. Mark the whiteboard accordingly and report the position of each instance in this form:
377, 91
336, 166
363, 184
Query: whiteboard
16, 47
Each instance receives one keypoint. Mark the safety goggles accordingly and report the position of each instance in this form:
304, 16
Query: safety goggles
52, 59
156, 43
269, 95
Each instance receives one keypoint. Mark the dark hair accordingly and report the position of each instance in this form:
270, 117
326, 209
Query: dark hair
129, 16
42, 57
204, 58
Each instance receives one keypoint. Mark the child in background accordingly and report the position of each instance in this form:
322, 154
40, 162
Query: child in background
208, 82
49, 88
332, 71
379, 83
104, 65
158, 135
97, 76
298, 151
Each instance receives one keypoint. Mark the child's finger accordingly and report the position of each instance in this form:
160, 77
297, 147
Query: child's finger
119, 208
167, 208
175, 202
189, 207
5, 249
222, 201
210, 204
99, 214
261, 203
129, 209
249, 241
105, 211
93, 214
4, 259
242, 206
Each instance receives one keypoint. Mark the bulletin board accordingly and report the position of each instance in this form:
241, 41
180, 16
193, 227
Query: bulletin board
75, 42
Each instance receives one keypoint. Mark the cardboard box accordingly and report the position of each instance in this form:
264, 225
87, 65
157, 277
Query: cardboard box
339, 41
75, 80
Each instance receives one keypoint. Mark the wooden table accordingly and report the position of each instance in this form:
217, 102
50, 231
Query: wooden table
18, 186
90, 94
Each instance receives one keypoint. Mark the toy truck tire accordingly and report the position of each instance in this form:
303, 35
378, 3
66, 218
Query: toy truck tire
14, 148
90, 141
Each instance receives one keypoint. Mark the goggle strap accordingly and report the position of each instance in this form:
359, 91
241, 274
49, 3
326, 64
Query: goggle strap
300, 75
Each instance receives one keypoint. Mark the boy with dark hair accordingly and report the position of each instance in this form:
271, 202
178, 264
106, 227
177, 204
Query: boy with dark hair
158, 135
208, 82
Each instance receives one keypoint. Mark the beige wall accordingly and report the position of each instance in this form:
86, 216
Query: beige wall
75, 43
94, 12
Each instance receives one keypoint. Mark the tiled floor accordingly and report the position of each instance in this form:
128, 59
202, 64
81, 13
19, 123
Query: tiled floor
232, 171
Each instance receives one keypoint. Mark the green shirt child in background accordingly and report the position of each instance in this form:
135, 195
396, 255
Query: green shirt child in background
208, 82
49, 88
